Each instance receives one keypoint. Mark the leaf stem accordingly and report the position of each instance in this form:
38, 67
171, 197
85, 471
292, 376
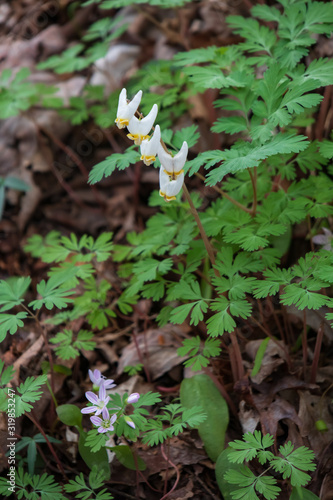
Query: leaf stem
225, 195
253, 177
203, 234
40, 428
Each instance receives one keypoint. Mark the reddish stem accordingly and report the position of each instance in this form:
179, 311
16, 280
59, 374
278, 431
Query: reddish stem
41, 430
316, 354
176, 469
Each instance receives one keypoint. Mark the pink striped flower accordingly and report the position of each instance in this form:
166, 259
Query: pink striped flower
98, 379
99, 402
106, 423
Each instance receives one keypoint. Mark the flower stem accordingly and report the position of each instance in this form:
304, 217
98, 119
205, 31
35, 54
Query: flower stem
203, 234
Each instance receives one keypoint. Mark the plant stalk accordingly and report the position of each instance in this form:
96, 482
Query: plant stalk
203, 234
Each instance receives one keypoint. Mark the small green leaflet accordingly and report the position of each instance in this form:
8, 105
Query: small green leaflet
12, 291
230, 125
247, 155
188, 134
293, 464
68, 348
303, 298
35, 487
28, 392
249, 447
107, 166
10, 323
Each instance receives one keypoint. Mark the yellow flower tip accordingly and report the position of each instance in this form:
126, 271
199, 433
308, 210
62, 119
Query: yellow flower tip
122, 122
137, 138
174, 175
167, 198
148, 160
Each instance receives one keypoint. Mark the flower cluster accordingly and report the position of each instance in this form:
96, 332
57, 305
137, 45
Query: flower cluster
99, 403
171, 171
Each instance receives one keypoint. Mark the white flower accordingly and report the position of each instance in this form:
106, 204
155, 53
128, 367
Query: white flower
126, 110
171, 172
140, 128
170, 185
324, 239
173, 164
149, 148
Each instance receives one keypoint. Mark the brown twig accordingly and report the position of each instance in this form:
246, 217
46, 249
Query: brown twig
167, 459
222, 390
324, 106
238, 355
34, 420
304, 343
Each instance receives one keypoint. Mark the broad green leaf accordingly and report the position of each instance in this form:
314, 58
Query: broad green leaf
200, 390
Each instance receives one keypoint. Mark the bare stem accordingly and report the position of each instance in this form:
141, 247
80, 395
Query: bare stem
304, 342
203, 234
254, 186
33, 419
225, 195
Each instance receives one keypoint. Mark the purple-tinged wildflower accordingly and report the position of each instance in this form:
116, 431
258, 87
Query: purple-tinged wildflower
105, 423
98, 379
133, 398
99, 402
324, 239
129, 422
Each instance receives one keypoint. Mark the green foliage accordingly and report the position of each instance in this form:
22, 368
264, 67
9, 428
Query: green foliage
177, 418
116, 160
201, 390
17, 94
28, 392
70, 348
84, 491
31, 443
199, 355
292, 464
133, 369
32, 487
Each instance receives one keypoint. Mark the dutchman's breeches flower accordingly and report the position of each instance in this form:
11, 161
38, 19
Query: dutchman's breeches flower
139, 128
171, 172
149, 148
126, 110
170, 185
